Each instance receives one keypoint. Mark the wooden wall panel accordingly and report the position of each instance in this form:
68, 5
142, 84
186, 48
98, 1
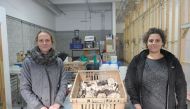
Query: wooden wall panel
153, 13
184, 31
2, 87
173, 16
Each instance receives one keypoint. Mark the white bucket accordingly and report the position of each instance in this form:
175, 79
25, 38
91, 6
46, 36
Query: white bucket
123, 71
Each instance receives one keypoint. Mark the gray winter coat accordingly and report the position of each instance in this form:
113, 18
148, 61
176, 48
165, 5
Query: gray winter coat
42, 85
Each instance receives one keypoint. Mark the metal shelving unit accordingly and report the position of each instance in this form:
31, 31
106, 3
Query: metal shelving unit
15, 90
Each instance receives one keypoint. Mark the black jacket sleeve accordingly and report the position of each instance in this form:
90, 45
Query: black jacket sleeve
180, 87
130, 81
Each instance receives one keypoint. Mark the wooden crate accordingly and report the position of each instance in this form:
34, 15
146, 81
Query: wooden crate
74, 66
97, 103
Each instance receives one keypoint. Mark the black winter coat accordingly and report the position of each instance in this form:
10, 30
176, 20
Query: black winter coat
176, 86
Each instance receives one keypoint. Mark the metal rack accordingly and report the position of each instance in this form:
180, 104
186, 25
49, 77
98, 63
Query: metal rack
15, 90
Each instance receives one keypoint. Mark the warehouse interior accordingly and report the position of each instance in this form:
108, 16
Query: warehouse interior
117, 26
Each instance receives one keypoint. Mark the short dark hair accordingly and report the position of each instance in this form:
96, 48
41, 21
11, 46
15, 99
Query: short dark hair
155, 31
51, 36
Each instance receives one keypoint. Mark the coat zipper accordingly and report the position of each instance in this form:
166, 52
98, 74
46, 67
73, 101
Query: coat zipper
168, 88
167, 96
49, 83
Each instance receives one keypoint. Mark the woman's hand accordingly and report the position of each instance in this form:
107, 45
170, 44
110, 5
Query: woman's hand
43, 107
138, 106
55, 106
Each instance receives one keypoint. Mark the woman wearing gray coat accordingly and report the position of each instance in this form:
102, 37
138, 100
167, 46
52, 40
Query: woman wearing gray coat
43, 84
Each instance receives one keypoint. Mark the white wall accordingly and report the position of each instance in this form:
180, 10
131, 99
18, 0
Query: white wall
78, 17
30, 11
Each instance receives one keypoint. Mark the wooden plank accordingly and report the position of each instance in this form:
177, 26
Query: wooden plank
182, 31
188, 9
2, 87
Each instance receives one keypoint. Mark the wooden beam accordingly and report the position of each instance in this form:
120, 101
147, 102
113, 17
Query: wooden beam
185, 26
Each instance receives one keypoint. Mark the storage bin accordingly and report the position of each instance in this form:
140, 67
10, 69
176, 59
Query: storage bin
97, 103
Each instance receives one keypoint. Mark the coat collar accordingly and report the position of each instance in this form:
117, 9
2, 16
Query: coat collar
166, 54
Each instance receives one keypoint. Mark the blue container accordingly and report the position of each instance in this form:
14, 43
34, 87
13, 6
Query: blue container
76, 46
18, 64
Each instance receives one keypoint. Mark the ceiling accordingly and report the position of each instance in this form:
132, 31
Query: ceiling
60, 7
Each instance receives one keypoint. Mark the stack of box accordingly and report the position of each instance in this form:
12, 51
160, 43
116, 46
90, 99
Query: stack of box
109, 43
108, 57
89, 42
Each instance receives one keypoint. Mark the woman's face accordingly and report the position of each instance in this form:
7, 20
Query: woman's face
44, 42
154, 43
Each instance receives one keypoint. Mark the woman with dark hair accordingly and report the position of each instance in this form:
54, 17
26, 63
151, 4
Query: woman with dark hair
155, 79
43, 83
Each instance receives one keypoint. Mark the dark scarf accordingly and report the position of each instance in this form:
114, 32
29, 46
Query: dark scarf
40, 58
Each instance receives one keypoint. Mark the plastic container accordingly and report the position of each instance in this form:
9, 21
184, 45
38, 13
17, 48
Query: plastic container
76, 46
123, 71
